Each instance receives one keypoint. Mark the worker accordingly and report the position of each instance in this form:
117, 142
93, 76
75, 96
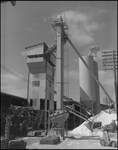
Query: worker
113, 126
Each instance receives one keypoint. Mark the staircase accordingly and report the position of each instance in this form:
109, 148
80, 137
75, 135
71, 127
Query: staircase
39, 118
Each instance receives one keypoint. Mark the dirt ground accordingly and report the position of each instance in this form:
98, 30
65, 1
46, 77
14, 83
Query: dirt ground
68, 143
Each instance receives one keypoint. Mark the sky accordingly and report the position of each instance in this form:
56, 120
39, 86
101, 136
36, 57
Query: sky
29, 23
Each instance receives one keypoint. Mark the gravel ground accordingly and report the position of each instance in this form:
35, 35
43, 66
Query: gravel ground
68, 143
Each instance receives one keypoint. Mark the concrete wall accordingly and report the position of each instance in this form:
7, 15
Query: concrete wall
46, 88
37, 92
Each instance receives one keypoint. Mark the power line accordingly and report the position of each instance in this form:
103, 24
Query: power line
13, 73
16, 75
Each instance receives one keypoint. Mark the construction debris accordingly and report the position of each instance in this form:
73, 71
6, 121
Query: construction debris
84, 129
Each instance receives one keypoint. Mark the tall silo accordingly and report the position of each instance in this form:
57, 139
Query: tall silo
89, 89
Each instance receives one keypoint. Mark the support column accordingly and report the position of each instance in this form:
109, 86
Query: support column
28, 99
46, 100
115, 80
59, 65
59, 24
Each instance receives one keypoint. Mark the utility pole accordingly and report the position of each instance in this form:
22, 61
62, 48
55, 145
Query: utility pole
92, 105
28, 100
110, 62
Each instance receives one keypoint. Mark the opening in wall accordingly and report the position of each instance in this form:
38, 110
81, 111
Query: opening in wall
35, 83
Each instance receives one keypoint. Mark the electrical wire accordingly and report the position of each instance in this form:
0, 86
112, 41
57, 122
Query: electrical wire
13, 73
16, 75
17, 64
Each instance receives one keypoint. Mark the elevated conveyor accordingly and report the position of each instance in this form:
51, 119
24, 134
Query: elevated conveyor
78, 114
79, 104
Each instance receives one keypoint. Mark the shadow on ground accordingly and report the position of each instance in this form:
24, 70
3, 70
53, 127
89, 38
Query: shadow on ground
84, 138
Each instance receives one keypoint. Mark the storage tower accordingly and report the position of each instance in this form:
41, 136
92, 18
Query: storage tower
41, 75
89, 89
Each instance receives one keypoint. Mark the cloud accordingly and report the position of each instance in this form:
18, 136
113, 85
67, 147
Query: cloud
9, 77
45, 19
74, 74
71, 74
107, 78
13, 85
33, 26
81, 26
24, 53
75, 60
18, 91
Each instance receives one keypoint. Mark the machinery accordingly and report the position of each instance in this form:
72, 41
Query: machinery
109, 139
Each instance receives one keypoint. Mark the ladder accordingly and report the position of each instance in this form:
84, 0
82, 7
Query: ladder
39, 118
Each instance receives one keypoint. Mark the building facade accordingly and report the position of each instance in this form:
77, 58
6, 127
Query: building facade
41, 75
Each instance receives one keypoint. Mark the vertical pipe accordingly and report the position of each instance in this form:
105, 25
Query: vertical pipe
62, 77
92, 105
28, 103
115, 78
60, 70
45, 100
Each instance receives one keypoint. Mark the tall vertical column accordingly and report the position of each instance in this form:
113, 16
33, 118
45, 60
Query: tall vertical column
46, 98
97, 108
28, 99
60, 71
60, 67
115, 79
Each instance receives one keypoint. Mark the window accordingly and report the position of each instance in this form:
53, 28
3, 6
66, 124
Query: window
35, 56
35, 83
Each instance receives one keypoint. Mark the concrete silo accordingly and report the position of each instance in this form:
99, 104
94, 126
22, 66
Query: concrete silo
89, 89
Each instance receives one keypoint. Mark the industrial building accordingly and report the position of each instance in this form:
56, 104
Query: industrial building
41, 74
62, 112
